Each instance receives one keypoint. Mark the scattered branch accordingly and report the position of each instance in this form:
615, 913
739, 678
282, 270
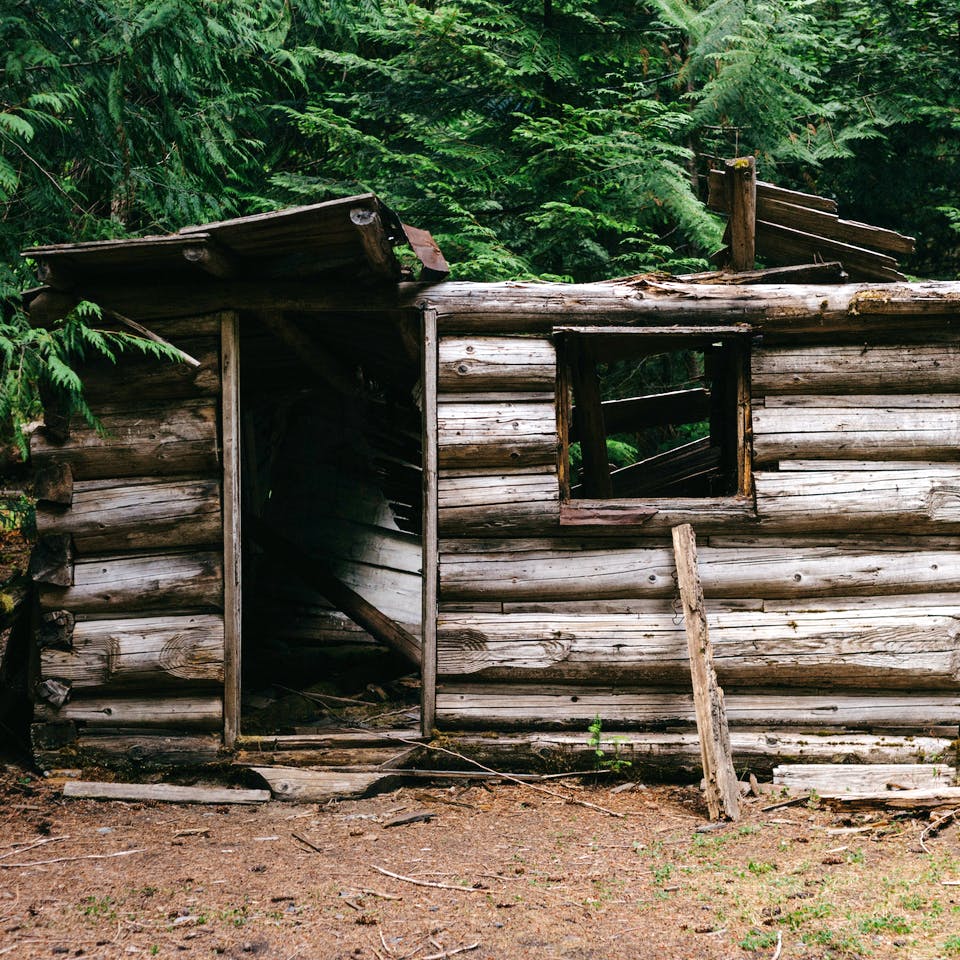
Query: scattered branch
936, 826
425, 883
86, 856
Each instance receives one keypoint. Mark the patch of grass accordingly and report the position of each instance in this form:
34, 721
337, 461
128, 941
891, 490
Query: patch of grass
952, 945
758, 940
795, 919
99, 908
885, 923
758, 869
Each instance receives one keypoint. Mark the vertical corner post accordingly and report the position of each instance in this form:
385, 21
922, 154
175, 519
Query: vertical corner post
741, 181
428, 663
232, 552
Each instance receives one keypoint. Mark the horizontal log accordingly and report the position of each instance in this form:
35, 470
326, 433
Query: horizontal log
566, 569
177, 437
136, 377
316, 786
911, 501
494, 502
652, 516
166, 792
857, 368
53, 484
504, 434
159, 652
899, 428
638, 413
138, 515
863, 778
938, 798
780, 309
665, 756
52, 560
115, 585
884, 649
519, 705
148, 749
196, 712
482, 364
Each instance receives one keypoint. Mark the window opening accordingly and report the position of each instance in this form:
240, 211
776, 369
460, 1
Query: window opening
654, 416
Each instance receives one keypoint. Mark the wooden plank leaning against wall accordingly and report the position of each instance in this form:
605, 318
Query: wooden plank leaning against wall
133, 631
845, 577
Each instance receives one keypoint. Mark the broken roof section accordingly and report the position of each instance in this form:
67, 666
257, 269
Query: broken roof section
351, 238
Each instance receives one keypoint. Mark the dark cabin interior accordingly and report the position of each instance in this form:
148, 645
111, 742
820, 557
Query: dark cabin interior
331, 464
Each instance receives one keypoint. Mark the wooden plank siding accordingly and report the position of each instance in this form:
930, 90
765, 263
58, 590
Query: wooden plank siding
840, 573
142, 648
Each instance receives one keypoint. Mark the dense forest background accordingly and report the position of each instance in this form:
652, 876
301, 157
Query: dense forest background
551, 138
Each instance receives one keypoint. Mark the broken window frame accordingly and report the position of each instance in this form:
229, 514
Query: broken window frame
730, 415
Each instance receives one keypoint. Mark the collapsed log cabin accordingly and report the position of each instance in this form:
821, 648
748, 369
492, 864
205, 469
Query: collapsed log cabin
428, 470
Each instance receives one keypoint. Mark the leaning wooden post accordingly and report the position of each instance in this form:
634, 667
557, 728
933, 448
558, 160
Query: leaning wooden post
741, 180
722, 789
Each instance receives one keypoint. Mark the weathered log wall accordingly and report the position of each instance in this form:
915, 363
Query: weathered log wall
833, 592
131, 629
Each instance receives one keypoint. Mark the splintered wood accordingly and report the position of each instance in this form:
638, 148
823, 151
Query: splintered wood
722, 789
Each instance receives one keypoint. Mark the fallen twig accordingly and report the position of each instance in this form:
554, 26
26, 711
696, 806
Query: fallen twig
311, 845
86, 856
380, 894
36, 843
451, 953
779, 950
513, 779
934, 827
424, 883
792, 802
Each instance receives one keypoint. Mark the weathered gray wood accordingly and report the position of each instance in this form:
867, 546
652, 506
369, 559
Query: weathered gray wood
664, 755
167, 792
784, 309
175, 437
125, 584
898, 799
718, 197
313, 786
741, 187
55, 629
232, 509
519, 705
137, 515
482, 364
492, 502
721, 790
152, 652
52, 560
203, 711
572, 569
795, 273
144, 748
889, 647
653, 515
911, 501
864, 778
914, 427
504, 434
430, 575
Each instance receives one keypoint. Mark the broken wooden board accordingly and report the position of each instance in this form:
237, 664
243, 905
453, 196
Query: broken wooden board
850, 779
302, 785
898, 799
168, 792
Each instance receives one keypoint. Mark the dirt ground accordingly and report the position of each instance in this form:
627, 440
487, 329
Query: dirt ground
511, 874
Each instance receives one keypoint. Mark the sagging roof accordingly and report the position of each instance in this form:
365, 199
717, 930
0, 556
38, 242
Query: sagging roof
351, 237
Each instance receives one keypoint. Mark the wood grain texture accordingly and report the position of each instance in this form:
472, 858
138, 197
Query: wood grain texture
861, 368
907, 501
137, 515
903, 648
163, 438
915, 427
516, 705
166, 792
483, 364
492, 501
864, 778
496, 434
570, 569
114, 585
200, 712
151, 652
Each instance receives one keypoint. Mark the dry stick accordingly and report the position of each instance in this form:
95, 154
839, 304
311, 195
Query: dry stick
522, 783
320, 697
425, 883
451, 953
932, 828
36, 843
87, 856
779, 950
156, 338
312, 846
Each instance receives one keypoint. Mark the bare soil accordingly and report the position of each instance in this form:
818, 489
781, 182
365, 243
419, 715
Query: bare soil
520, 874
